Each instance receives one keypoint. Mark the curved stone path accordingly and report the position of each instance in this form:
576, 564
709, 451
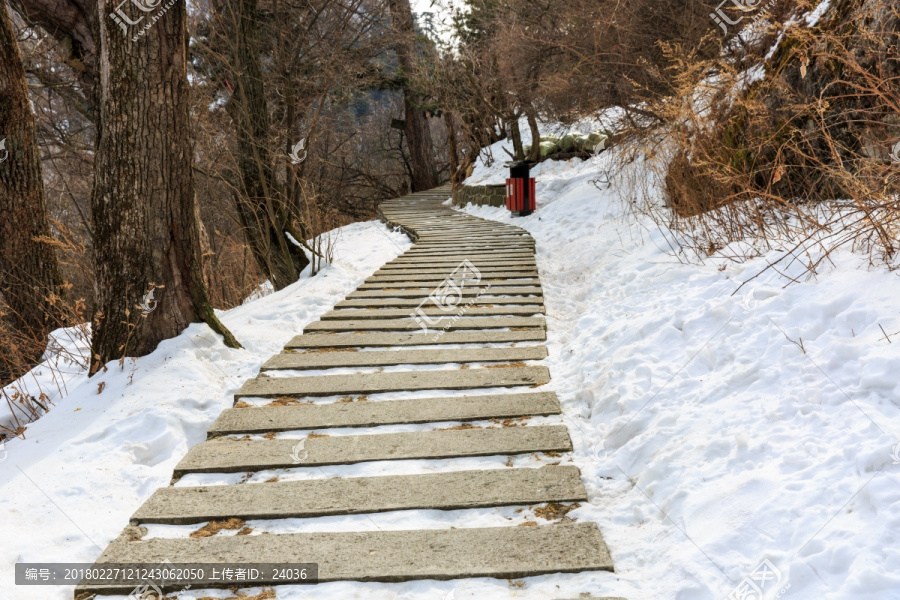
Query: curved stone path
466, 281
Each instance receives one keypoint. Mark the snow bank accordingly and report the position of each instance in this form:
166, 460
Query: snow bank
716, 431
69, 488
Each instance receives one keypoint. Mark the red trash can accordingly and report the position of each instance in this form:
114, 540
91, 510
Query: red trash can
520, 196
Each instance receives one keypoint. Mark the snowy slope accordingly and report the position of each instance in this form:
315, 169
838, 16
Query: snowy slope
717, 431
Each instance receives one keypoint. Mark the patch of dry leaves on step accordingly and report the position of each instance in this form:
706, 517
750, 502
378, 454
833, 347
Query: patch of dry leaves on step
552, 511
214, 527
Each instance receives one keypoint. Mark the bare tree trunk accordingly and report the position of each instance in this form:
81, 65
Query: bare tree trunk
535, 136
417, 129
29, 270
516, 135
454, 147
146, 232
265, 216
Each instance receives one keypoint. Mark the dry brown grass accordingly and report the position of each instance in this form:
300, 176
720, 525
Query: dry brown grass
284, 401
214, 527
31, 397
460, 427
796, 162
511, 422
554, 510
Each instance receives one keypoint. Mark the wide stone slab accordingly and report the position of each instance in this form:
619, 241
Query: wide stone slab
446, 323
415, 302
462, 254
399, 313
432, 283
488, 243
478, 260
473, 251
229, 455
472, 248
328, 360
485, 270
459, 258
473, 241
404, 381
350, 340
422, 265
347, 496
387, 412
441, 275
464, 292
387, 556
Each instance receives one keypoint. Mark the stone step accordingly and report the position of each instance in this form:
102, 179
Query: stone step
403, 381
429, 284
486, 247
362, 340
386, 556
229, 455
413, 303
463, 254
348, 496
485, 240
442, 272
470, 251
485, 233
467, 291
443, 323
438, 277
510, 257
399, 313
328, 360
384, 412
506, 263
458, 241
472, 241
487, 262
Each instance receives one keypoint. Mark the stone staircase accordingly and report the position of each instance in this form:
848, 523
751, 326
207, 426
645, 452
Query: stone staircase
373, 328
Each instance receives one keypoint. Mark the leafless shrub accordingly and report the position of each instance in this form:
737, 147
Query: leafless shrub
65, 353
797, 148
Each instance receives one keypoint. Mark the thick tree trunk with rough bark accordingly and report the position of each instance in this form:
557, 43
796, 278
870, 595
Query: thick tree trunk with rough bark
29, 271
417, 128
453, 147
145, 218
262, 208
516, 135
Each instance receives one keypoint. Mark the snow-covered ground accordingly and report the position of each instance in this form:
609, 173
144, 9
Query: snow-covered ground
717, 431
69, 488
714, 431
